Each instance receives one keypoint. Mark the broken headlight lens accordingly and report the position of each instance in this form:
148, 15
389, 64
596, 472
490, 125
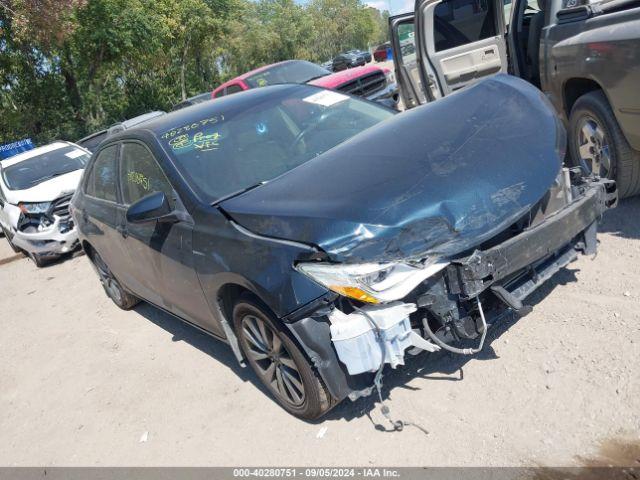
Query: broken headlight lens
40, 207
371, 282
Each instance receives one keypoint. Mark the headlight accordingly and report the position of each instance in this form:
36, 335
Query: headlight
41, 207
391, 78
371, 282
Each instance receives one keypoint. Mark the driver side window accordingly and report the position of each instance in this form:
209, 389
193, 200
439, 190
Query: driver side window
140, 175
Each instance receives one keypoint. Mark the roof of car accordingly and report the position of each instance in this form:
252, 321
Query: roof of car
188, 115
37, 151
264, 67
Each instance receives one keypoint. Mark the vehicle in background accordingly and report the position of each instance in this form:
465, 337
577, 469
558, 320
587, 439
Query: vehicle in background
584, 57
134, 122
324, 237
371, 82
347, 60
380, 53
364, 53
35, 191
92, 141
202, 97
328, 65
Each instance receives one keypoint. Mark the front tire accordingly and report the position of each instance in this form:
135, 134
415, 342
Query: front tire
598, 144
112, 287
39, 260
278, 362
8, 237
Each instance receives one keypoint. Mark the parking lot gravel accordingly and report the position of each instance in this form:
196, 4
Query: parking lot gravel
84, 383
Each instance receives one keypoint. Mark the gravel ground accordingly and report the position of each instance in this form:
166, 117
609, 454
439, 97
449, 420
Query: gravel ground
83, 383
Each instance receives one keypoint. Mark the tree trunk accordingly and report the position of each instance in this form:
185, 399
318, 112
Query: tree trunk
183, 69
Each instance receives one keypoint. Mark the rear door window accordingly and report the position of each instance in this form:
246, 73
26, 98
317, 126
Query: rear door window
102, 179
140, 174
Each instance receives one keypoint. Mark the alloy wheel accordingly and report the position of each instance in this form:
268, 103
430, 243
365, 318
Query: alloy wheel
273, 361
109, 283
593, 145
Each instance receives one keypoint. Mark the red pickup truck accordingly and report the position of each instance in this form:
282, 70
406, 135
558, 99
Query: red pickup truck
369, 81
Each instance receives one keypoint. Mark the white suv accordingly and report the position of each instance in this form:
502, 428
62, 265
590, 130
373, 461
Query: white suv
35, 191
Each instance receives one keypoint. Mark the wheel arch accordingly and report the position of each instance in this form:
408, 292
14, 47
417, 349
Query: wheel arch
576, 87
87, 248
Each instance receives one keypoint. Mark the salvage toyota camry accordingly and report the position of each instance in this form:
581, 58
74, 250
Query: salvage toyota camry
324, 237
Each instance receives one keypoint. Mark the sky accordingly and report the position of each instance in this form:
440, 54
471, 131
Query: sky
393, 6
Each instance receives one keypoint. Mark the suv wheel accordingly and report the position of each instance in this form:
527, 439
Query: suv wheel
598, 145
7, 235
39, 260
278, 362
112, 287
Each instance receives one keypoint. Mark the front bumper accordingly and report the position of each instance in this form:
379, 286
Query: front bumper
573, 226
501, 277
388, 96
48, 242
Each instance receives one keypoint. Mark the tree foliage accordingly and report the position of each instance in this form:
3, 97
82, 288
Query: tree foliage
71, 67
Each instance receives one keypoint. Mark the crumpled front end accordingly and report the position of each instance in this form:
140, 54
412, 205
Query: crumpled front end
452, 308
50, 233
428, 227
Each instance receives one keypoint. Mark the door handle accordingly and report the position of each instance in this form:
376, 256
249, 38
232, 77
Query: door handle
122, 231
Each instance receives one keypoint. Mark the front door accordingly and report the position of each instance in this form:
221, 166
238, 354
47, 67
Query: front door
459, 42
160, 254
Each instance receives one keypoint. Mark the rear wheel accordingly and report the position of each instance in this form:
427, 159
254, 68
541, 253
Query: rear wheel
598, 145
278, 362
112, 287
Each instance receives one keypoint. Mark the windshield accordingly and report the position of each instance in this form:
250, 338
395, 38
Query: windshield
32, 171
265, 136
289, 72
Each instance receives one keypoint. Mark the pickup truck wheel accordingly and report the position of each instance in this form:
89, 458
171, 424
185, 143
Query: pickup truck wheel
112, 287
278, 362
598, 145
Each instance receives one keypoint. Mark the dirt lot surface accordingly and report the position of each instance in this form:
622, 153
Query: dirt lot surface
83, 383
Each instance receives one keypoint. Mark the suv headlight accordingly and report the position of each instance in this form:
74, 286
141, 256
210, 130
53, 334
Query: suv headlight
371, 282
391, 78
40, 207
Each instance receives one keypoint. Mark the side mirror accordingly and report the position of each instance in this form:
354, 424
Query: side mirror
153, 207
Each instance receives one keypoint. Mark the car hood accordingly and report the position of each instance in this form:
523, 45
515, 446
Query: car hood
340, 78
435, 180
48, 190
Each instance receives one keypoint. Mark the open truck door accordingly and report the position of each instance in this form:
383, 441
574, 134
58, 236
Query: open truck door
403, 44
458, 42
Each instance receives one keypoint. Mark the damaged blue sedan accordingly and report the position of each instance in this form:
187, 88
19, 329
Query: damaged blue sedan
324, 237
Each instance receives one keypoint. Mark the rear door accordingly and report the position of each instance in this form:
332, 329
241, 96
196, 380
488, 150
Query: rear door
98, 213
459, 42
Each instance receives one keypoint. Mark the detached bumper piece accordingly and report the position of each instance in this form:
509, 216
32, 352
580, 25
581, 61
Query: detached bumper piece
516, 267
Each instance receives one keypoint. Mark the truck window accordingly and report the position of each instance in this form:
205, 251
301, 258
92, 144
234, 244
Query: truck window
458, 22
506, 10
233, 89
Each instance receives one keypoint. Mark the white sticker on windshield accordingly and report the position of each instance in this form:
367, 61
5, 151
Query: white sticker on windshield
326, 98
74, 153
